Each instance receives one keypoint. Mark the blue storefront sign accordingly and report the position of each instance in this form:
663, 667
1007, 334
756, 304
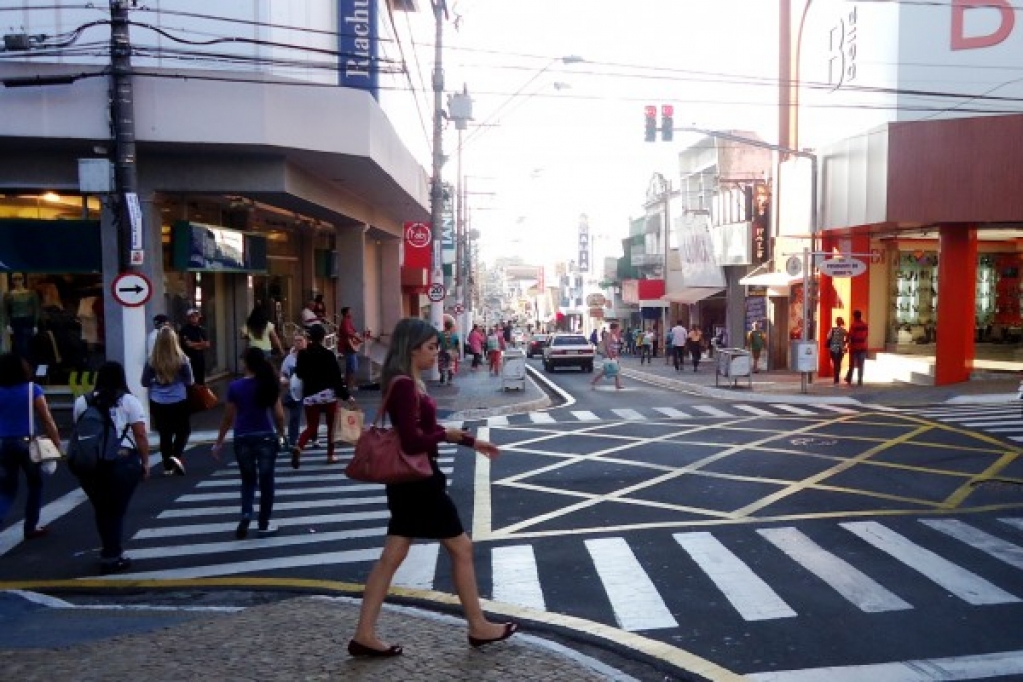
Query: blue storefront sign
357, 45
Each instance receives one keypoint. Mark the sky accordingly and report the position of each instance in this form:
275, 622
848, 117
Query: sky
553, 140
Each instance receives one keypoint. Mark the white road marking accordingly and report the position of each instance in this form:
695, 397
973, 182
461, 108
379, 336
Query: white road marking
711, 410
974, 537
865, 593
15, 535
328, 503
585, 416
419, 568
261, 565
499, 420
628, 415
541, 418
977, 667
966, 585
836, 408
751, 596
634, 599
199, 529
1015, 523
671, 412
759, 411
335, 490
254, 542
515, 577
794, 410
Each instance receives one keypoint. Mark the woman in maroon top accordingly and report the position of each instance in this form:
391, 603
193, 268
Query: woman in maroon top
421, 509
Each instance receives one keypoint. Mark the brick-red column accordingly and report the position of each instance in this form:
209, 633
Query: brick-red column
957, 300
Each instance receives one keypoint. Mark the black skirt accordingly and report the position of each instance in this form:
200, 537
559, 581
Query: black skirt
422, 509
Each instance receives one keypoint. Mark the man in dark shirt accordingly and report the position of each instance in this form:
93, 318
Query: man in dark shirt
195, 341
857, 347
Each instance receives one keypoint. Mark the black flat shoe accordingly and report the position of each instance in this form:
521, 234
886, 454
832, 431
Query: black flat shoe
355, 649
296, 455
509, 630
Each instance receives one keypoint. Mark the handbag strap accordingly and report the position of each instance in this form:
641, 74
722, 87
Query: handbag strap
387, 396
31, 413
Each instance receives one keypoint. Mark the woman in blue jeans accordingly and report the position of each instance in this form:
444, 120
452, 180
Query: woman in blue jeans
15, 384
254, 409
111, 485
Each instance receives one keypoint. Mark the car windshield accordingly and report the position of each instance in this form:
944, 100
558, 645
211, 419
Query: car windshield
569, 341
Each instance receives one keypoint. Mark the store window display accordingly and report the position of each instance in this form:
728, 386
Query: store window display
21, 310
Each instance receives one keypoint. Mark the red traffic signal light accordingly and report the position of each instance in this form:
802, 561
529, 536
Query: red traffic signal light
667, 122
667, 110
651, 123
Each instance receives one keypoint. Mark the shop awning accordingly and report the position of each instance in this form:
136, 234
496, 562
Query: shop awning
653, 303
691, 294
770, 279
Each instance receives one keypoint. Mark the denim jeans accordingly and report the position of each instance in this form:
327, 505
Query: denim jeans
856, 360
257, 457
14, 458
109, 489
295, 411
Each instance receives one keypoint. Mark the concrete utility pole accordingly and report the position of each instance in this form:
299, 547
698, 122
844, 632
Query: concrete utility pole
667, 250
436, 184
126, 343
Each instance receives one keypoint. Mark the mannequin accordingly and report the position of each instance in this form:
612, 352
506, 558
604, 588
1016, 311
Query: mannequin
21, 307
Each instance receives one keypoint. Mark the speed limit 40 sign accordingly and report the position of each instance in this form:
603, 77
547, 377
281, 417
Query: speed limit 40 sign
436, 292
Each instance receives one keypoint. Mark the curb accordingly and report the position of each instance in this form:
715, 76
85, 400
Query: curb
732, 394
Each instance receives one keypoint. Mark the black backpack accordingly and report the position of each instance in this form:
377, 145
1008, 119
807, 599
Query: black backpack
94, 439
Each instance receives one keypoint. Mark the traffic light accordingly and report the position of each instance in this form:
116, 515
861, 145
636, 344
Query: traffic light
667, 122
651, 124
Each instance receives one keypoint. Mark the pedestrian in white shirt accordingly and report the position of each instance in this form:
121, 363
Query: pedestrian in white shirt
679, 336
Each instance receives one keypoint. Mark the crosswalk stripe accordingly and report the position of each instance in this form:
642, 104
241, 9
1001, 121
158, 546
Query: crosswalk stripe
1015, 523
456, 424
982, 666
255, 543
966, 585
255, 565
192, 512
759, 411
419, 567
628, 415
515, 578
541, 418
794, 410
499, 420
201, 528
283, 491
974, 537
747, 592
865, 593
634, 599
711, 410
836, 408
671, 412
585, 416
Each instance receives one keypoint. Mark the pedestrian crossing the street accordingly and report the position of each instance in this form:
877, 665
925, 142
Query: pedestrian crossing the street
1003, 420
327, 520
641, 414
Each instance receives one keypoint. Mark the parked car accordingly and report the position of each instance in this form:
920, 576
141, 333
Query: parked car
536, 344
568, 350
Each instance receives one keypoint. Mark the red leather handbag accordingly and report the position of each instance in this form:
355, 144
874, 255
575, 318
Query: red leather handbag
378, 455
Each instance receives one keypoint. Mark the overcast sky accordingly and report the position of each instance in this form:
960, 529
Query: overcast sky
551, 140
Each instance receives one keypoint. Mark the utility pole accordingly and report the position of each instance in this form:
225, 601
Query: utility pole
667, 250
123, 221
436, 186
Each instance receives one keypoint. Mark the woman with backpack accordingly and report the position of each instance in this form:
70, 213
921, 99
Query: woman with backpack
447, 361
167, 375
838, 338
254, 410
322, 384
18, 395
110, 484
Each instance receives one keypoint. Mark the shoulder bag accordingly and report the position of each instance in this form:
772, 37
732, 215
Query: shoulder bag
378, 455
40, 448
200, 397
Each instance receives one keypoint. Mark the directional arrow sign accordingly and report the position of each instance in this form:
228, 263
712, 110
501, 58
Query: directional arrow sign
842, 267
131, 289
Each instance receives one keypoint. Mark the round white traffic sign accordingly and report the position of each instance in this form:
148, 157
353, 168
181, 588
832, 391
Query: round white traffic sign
131, 289
436, 292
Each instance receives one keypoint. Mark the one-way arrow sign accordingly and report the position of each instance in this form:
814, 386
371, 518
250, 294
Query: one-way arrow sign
131, 289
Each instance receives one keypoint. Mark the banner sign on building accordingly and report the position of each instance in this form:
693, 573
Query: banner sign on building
418, 244
584, 244
357, 45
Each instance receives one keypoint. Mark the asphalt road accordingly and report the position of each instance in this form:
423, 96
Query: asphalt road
764, 538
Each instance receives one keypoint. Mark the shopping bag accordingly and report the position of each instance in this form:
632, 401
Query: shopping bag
348, 424
610, 368
201, 398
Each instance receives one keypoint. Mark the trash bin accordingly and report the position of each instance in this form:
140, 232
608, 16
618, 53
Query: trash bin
513, 369
734, 363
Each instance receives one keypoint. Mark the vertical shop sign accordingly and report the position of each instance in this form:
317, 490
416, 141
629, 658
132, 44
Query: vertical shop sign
418, 245
357, 45
584, 244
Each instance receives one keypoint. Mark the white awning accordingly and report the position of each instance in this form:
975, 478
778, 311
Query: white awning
691, 294
653, 303
770, 279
